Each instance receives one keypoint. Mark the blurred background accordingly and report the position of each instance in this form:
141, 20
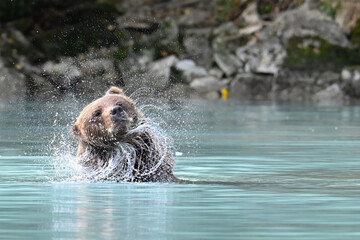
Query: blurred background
281, 50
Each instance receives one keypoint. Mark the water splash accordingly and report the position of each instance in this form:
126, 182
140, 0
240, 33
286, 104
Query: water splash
176, 117
121, 163
61, 147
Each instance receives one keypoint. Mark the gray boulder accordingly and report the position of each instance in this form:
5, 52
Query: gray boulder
330, 95
268, 53
12, 84
223, 53
216, 73
65, 73
96, 67
291, 85
145, 59
305, 22
262, 57
351, 80
186, 70
159, 73
207, 84
328, 78
228, 29
227, 62
250, 15
195, 17
293, 94
87, 74
247, 86
197, 46
20, 38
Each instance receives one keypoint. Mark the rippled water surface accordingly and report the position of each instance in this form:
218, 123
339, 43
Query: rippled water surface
263, 171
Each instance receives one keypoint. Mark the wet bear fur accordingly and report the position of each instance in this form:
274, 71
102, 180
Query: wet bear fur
117, 143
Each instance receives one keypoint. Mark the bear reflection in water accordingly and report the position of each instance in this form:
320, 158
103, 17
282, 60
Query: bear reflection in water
116, 142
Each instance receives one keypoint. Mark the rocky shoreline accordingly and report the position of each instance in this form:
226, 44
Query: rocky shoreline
185, 50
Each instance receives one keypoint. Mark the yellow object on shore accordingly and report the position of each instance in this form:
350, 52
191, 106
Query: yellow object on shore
18, 66
224, 93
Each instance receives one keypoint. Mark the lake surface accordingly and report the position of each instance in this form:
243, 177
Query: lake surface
264, 171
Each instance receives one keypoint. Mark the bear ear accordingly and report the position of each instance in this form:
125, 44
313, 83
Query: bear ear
114, 90
75, 132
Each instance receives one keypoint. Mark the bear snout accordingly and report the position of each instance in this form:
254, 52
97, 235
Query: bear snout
117, 113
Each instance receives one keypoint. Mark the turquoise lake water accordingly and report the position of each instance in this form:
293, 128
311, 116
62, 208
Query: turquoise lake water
264, 171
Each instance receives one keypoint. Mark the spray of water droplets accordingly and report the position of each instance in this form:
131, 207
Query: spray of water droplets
121, 162
174, 116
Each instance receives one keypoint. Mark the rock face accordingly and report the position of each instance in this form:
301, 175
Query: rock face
12, 85
301, 86
258, 50
307, 22
249, 86
228, 63
206, 84
351, 79
187, 71
262, 57
251, 15
80, 75
223, 56
65, 73
330, 95
160, 72
198, 46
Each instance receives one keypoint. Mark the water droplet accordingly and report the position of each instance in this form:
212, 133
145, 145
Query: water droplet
178, 154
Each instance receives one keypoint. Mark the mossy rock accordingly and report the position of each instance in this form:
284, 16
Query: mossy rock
226, 10
314, 53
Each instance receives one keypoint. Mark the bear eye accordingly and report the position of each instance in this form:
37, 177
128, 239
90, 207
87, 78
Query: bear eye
97, 113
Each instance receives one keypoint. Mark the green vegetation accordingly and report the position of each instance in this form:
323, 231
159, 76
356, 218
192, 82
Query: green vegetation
330, 7
225, 10
122, 53
314, 53
273, 6
266, 7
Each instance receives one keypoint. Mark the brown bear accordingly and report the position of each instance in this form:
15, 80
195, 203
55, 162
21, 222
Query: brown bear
116, 142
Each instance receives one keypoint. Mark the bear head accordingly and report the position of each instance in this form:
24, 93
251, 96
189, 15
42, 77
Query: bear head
105, 121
